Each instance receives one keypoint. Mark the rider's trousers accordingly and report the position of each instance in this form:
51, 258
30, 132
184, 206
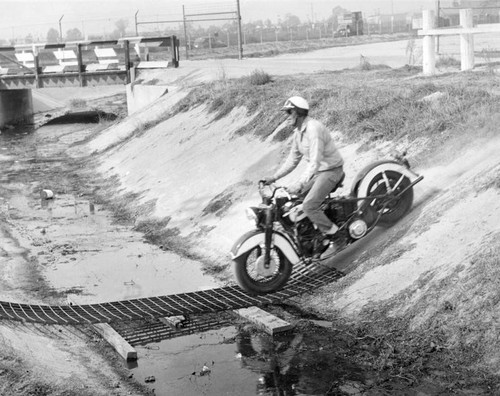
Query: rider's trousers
319, 187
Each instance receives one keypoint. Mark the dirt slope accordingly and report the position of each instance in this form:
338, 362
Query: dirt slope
201, 176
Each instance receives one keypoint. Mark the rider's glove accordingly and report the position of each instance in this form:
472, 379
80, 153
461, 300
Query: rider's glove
267, 180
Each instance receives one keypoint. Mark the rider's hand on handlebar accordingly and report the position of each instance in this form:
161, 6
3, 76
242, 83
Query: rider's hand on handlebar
267, 180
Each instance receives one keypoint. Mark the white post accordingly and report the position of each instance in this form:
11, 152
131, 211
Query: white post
466, 41
428, 44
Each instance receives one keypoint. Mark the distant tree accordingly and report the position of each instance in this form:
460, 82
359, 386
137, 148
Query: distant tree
52, 36
121, 28
291, 20
74, 35
29, 39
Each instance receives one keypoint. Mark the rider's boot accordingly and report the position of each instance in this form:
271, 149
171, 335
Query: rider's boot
337, 242
321, 244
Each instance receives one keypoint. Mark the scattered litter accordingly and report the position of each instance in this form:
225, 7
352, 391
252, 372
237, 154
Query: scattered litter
239, 356
205, 370
176, 322
46, 194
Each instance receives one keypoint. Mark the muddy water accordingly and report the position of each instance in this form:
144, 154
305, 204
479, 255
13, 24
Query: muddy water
56, 244
75, 242
241, 361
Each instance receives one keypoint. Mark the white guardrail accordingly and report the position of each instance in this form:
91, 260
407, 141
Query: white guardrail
466, 32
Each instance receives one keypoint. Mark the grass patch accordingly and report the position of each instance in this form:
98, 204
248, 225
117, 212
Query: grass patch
78, 103
354, 102
259, 77
447, 61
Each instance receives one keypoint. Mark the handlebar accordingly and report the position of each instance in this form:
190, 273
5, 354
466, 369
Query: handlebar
274, 188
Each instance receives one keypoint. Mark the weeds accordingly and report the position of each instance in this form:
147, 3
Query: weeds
447, 61
364, 64
77, 103
259, 77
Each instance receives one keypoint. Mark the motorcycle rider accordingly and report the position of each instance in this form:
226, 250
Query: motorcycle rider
312, 141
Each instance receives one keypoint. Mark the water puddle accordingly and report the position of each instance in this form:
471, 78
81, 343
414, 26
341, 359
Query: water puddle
238, 360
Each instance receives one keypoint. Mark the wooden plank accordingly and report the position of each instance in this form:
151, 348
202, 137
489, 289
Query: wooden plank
121, 346
264, 320
124, 349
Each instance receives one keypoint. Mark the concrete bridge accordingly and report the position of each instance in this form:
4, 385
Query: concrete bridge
75, 64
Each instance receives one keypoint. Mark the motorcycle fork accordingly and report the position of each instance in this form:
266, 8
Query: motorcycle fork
268, 238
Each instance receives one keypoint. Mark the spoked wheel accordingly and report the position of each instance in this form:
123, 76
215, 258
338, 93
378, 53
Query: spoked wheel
392, 209
254, 276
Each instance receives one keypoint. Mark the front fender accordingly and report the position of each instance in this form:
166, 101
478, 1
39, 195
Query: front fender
363, 178
256, 238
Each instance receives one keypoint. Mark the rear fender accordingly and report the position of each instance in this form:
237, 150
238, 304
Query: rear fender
255, 238
363, 179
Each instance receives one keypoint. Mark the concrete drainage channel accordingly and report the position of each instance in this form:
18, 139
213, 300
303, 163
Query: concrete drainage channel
200, 354
237, 350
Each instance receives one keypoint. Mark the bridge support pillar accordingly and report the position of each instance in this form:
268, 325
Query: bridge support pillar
16, 107
140, 96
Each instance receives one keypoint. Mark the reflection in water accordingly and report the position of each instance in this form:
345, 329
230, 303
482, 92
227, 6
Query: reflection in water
295, 363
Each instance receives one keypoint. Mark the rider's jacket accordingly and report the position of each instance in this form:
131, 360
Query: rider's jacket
314, 143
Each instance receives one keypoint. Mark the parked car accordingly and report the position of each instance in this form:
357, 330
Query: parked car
208, 42
341, 33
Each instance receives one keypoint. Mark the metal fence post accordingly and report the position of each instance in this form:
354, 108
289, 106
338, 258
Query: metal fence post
238, 17
79, 59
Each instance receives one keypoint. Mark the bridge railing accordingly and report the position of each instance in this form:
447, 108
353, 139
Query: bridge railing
466, 32
80, 59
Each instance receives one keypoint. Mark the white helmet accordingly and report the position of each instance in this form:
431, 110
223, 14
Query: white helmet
295, 102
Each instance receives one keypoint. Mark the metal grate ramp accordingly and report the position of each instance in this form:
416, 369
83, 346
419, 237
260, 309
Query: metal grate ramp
303, 280
145, 332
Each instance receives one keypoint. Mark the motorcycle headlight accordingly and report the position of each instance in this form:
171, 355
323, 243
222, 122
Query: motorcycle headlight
256, 215
251, 215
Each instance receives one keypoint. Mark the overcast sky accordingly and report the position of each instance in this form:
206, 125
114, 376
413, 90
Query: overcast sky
20, 17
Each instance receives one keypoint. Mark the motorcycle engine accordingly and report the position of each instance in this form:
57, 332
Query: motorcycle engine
339, 212
361, 222
307, 235
294, 218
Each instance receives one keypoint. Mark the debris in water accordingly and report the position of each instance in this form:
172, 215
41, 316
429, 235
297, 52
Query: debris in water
46, 194
205, 370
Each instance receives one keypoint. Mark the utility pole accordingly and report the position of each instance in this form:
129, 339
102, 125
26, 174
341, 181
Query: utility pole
185, 31
136, 27
60, 29
240, 45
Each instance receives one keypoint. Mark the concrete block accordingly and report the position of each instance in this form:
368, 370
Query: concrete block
264, 320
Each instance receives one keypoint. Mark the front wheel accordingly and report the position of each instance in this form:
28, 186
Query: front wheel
390, 208
255, 277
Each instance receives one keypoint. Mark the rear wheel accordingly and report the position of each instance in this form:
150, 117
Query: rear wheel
255, 277
392, 209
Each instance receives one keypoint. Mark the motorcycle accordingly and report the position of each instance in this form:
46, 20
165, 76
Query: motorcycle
263, 258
